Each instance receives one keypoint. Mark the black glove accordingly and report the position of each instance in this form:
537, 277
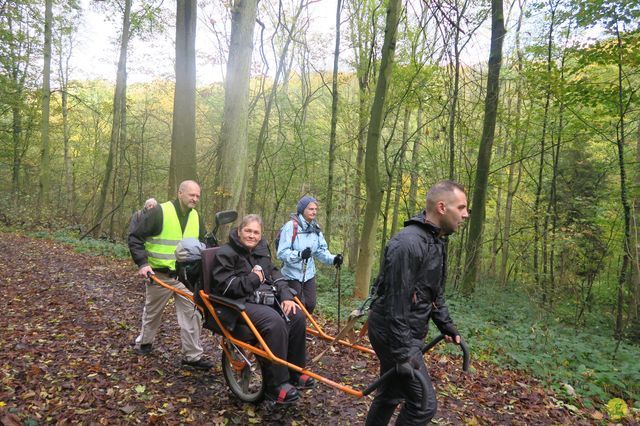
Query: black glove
407, 368
306, 253
337, 260
450, 330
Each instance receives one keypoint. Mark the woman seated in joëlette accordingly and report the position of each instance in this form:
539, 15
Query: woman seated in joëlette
243, 271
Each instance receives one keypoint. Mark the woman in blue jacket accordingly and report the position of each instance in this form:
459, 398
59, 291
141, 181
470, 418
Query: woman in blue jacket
300, 241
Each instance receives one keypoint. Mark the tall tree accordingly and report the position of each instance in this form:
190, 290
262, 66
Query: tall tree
334, 124
64, 44
372, 173
619, 19
45, 157
231, 160
474, 243
290, 31
183, 137
118, 127
19, 40
512, 186
364, 19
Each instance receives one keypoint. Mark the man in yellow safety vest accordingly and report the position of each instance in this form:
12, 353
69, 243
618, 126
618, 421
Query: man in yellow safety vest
152, 244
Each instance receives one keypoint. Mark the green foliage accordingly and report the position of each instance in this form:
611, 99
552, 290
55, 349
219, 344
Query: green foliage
504, 326
327, 304
86, 245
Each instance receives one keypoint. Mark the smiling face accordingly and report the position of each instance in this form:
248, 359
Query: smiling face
310, 212
250, 234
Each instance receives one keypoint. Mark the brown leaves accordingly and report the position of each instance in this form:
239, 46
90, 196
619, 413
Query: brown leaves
68, 322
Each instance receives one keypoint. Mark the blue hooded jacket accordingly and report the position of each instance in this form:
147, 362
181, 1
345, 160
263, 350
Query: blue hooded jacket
308, 235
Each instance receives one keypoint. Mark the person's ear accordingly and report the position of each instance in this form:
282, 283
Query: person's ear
441, 207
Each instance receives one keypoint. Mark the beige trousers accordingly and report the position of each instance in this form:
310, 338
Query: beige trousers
189, 318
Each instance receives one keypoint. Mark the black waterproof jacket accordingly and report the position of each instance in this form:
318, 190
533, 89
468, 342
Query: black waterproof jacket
410, 286
232, 277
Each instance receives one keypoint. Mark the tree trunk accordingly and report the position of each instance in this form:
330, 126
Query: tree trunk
541, 280
119, 111
63, 71
334, 124
45, 158
231, 160
453, 109
16, 133
497, 225
183, 135
363, 42
474, 243
634, 314
262, 136
372, 173
626, 244
354, 247
413, 185
400, 171
511, 186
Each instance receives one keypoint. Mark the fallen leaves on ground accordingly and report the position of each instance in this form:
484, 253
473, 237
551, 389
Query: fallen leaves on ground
67, 329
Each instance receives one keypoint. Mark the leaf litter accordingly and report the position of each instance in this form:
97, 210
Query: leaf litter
66, 355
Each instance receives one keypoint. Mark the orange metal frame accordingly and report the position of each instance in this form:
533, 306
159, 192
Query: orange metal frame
176, 290
318, 331
264, 351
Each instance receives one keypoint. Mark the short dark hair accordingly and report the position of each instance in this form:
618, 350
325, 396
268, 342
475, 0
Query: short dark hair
437, 191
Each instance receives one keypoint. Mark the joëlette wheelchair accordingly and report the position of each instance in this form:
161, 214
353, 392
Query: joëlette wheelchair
244, 350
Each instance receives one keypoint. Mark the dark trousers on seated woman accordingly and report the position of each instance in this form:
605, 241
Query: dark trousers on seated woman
285, 340
306, 292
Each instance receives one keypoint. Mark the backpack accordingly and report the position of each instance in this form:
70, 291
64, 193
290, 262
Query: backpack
189, 263
276, 240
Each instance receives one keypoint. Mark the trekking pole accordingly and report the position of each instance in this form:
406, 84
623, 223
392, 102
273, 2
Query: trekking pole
304, 270
339, 293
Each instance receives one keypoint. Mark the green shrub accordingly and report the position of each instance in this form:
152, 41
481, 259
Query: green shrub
506, 326
86, 245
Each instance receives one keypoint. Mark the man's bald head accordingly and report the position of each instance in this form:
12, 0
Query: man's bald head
188, 194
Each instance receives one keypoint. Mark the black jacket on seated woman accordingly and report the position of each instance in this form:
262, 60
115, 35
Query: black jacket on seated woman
242, 267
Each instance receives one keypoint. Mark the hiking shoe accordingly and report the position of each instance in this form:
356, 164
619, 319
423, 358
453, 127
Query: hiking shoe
284, 394
202, 364
303, 381
144, 349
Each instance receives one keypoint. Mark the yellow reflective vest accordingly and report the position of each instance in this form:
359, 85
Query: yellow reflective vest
161, 248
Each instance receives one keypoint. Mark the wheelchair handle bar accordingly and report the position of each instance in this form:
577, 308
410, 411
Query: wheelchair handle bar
423, 382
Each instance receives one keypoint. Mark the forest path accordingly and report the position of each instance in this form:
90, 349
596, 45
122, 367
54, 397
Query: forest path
68, 321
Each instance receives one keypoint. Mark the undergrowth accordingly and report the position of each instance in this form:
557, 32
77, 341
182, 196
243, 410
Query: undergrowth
505, 326
86, 245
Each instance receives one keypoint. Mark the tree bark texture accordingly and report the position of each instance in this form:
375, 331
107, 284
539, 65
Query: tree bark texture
474, 243
334, 125
183, 135
45, 157
119, 112
372, 173
231, 161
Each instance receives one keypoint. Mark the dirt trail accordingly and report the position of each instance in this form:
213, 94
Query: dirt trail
68, 321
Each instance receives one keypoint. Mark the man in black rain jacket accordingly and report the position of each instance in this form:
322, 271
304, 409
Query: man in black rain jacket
410, 292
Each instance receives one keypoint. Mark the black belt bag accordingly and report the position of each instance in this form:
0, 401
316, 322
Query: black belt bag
264, 295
